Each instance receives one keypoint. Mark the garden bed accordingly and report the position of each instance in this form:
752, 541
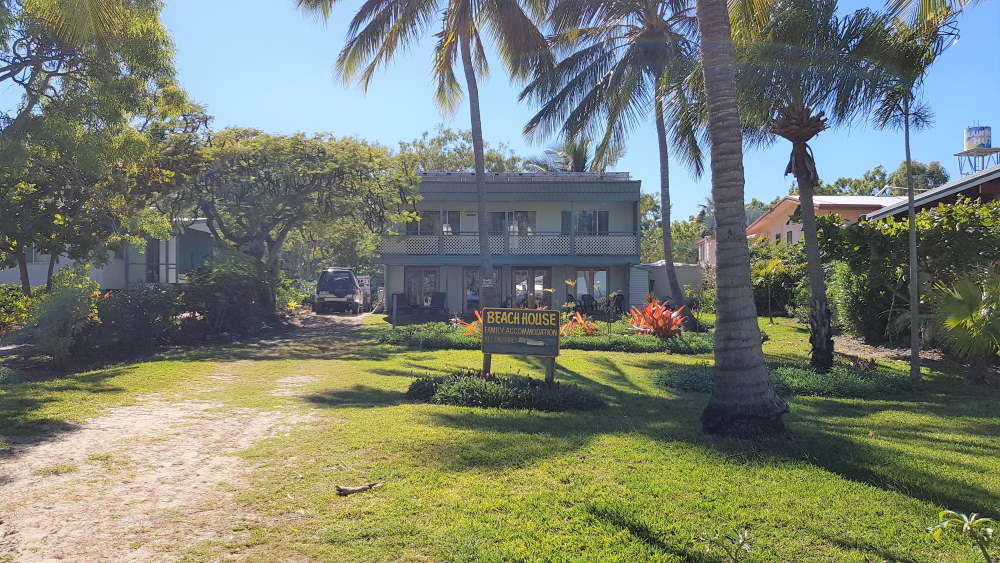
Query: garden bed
439, 335
800, 379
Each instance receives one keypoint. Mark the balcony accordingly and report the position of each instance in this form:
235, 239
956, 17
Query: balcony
513, 245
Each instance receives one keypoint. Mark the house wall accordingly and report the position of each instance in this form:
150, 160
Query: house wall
548, 215
688, 275
128, 267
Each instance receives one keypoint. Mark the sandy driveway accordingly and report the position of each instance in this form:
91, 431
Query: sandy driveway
141, 483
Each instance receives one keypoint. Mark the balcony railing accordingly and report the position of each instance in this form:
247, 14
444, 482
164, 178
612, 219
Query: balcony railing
463, 244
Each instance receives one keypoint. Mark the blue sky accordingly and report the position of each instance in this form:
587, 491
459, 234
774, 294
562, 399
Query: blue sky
264, 64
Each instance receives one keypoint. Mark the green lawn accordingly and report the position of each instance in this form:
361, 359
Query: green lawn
856, 480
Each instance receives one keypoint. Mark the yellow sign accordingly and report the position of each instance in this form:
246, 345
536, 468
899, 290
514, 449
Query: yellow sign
526, 332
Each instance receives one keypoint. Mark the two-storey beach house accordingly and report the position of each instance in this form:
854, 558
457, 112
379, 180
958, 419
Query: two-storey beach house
552, 236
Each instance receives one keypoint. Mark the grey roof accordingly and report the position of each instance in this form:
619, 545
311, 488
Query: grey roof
940, 192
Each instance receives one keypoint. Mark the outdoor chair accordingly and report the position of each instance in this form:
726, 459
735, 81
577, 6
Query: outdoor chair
587, 303
438, 301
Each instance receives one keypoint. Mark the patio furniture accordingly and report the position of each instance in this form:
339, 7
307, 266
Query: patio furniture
587, 303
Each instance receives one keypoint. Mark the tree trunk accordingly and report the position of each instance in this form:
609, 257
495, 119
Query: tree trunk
821, 331
266, 293
743, 402
914, 272
22, 268
53, 258
488, 290
676, 291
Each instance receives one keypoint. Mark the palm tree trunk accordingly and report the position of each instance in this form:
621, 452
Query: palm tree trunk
676, 291
914, 272
743, 402
821, 330
488, 291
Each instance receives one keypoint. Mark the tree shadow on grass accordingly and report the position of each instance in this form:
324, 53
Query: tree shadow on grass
828, 433
631, 523
24, 394
358, 396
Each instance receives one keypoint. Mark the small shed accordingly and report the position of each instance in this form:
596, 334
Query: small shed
655, 275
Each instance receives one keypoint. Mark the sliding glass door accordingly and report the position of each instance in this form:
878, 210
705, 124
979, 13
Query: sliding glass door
532, 287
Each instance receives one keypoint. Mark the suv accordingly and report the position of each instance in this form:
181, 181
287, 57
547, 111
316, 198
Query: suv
338, 288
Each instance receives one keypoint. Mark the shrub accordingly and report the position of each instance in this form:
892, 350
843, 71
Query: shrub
472, 389
224, 297
971, 315
434, 336
292, 294
62, 315
578, 325
423, 388
133, 319
801, 380
655, 318
15, 307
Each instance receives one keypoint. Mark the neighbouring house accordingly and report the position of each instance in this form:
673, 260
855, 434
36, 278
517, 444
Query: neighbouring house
553, 237
781, 224
161, 261
983, 186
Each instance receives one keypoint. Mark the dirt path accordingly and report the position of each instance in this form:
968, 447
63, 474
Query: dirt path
141, 483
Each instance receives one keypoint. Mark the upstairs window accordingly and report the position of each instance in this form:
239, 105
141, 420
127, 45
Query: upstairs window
513, 222
427, 225
451, 222
591, 222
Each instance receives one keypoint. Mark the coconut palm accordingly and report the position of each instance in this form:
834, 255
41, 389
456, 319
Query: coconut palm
915, 12
809, 70
381, 29
743, 402
623, 62
572, 155
906, 53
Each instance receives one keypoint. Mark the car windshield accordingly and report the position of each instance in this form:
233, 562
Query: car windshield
334, 281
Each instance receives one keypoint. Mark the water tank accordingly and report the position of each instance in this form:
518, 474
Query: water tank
978, 137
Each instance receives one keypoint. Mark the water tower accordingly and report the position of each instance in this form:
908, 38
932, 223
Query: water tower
979, 153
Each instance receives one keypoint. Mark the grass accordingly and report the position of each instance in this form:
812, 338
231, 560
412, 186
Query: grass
56, 469
857, 480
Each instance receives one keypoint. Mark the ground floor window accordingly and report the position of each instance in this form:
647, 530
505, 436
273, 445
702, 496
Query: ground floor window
532, 287
421, 283
471, 287
592, 282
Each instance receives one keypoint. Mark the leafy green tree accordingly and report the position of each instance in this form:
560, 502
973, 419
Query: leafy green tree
381, 29
261, 188
622, 62
810, 69
111, 48
448, 150
80, 186
743, 401
923, 176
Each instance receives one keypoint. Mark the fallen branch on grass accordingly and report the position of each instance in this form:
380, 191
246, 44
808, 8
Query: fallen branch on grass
344, 491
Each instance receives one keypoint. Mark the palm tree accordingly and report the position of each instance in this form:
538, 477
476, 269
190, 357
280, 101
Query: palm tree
743, 402
907, 53
808, 70
914, 12
624, 62
572, 155
381, 29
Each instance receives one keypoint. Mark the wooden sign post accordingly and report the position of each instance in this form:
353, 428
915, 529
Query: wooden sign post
521, 332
